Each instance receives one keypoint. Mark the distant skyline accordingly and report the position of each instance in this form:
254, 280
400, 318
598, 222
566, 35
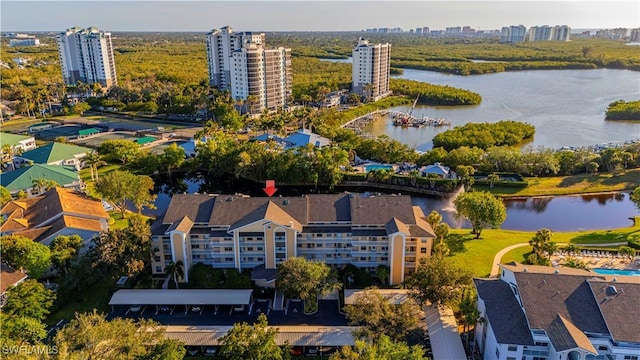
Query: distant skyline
354, 15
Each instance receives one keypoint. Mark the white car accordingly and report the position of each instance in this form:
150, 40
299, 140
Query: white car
196, 308
135, 308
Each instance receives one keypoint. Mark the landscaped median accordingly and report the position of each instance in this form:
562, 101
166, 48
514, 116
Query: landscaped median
477, 255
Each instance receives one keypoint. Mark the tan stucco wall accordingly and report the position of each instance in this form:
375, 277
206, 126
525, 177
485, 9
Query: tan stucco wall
396, 260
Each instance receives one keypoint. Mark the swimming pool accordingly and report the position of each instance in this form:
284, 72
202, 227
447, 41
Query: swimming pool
368, 168
617, 272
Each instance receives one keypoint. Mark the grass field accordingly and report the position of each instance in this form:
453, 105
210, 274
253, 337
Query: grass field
477, 255
576, 184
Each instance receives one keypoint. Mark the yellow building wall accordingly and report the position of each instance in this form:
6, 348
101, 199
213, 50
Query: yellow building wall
397, 260
178, 250
269, 247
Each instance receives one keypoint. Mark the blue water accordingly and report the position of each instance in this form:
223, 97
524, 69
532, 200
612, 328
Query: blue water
368, 168
617, 272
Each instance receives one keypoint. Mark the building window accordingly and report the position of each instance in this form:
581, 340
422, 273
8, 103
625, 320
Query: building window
513, 348
158, 269
498, 353
423, 250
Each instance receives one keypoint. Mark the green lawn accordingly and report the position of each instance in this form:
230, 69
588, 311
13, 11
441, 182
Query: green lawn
477, 255
576, 184
96, 297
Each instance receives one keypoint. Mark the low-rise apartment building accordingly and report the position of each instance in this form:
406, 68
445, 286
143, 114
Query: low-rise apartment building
231, 231
545, 313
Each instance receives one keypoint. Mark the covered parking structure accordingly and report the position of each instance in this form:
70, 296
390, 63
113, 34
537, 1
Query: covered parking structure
303, 339
185, 297
446, 343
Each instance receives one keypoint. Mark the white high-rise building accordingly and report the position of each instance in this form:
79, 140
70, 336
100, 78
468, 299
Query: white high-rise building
513, 34
221, 44
261, 76
241, 63
561, 33
370, 71
540, 33
87, 55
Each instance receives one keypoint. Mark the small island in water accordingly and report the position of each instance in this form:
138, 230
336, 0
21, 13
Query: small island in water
623, 110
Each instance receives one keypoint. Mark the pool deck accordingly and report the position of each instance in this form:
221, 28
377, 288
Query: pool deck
602, 260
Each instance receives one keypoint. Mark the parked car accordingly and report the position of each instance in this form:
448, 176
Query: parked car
165, 309
196, 308
193, 351
135, 308
210, 351
238, 308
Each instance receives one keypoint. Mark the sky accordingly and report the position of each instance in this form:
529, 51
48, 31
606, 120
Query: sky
301, 15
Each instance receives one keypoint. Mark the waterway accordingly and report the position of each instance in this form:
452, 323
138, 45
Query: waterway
567, 107
560, 213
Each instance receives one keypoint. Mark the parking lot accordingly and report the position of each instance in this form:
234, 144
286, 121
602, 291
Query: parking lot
293, 314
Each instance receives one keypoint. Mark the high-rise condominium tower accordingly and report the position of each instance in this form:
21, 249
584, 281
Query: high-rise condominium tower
87, 55
513, 34
370, 71
241, 63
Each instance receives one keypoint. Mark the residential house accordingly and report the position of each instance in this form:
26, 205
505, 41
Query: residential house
231, 231
24, 178
9, 278
303, 137
539, 312
58, 212
19, 143
438, 169
55, 153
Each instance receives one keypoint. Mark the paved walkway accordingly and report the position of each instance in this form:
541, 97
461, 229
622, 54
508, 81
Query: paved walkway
496, 259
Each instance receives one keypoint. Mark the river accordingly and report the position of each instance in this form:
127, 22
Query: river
560, 213
567, 107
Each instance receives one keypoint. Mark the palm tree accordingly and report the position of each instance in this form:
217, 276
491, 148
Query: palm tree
7, 155
493, 177
539, 243
175, 270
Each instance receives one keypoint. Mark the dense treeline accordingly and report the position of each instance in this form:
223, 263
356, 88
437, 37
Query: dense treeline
222, 154
623, 110
536, 162
484, 135
434, 94
472, 68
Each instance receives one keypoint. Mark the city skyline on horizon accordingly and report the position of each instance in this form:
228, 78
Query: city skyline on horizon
201, 16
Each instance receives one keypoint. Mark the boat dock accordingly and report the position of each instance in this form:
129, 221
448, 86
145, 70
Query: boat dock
407, 120
361, 121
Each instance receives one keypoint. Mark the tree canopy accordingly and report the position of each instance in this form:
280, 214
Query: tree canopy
300, 278
377, 316
484, 135
635, 197
381, 349
257, 342
91, 336
437, 280
482, 209
121, 187
25, 254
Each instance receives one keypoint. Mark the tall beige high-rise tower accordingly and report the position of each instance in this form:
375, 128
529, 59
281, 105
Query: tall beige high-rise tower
241, 63
87, 55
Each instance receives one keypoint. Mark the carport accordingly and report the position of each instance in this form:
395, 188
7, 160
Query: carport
443, 332
185, 297
308, 340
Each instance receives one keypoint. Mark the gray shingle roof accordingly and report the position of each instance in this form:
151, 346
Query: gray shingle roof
196, 206
620, 307
380, 209
503, 312
544, 296
566, 336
